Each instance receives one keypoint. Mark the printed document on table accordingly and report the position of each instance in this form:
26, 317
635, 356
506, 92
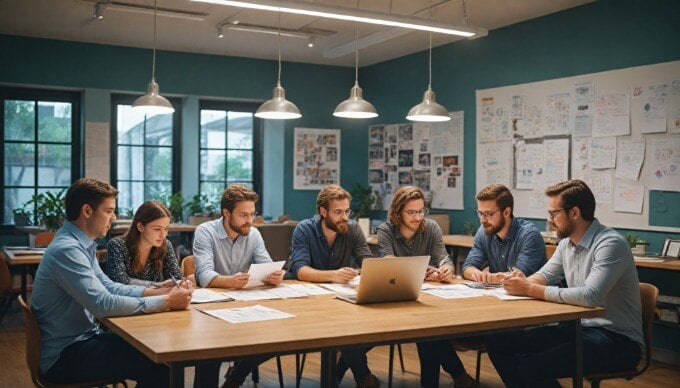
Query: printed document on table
458, 291
259, 272
344, 289
309, 289
248, 314
204, 295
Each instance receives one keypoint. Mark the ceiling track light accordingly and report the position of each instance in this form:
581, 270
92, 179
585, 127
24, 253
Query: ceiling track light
149, 10
98, 13
429, 110
351, 14
220, 32
355, 107
152, 102
278, 107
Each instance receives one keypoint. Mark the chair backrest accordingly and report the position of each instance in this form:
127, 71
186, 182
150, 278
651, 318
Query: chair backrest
188, 266
550, 250
648, 297
277, 239
43, 239
442, 220
5, 277
32, 341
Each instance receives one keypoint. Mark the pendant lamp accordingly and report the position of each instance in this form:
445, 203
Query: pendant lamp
429, 110
152, 102
278, 107
355, 107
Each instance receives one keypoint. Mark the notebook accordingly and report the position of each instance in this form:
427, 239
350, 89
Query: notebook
389, 280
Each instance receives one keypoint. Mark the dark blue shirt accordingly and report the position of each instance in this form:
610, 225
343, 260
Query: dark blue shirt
311, 249
523, 248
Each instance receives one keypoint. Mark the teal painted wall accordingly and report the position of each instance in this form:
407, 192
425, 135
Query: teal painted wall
605, 35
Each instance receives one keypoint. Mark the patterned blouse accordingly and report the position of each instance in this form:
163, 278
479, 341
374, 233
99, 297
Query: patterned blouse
119, 265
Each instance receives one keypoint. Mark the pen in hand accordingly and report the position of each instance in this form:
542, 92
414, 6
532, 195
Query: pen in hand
175, 281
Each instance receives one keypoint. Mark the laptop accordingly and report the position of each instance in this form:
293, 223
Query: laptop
393, 279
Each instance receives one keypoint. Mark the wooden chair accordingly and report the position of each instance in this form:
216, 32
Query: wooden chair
43, 239
33, 355
7, 291
188, 268
648, 296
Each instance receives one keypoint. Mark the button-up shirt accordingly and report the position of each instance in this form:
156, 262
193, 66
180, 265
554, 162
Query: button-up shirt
600, 271
429, 242
216, 254
70, 291
522, 248
311, 249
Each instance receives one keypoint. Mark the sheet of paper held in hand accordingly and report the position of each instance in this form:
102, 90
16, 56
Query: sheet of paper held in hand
259, 272
248, 314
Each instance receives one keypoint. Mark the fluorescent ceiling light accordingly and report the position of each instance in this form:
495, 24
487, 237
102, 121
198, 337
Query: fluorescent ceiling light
356, 15
145, 9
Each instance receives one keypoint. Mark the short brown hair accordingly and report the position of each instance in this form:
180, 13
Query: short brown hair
235, 193
500, 194
574, 193
86, 191
331, 193
400, 199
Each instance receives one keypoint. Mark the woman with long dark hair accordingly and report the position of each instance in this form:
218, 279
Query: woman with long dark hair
143, 255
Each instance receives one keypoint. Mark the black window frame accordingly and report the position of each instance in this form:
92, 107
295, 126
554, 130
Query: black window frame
46, 95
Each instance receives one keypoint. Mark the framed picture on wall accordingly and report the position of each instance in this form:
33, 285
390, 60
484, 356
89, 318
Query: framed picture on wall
316, 160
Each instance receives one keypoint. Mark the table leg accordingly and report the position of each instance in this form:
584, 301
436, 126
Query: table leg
329, 360
24, 281
176, 375
577, 380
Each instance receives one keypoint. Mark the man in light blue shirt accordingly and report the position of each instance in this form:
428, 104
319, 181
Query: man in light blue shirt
599, 269
502, 242
224, 249
70, 292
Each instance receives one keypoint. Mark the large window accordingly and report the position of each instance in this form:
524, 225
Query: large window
145, 155
229, 147
40, 145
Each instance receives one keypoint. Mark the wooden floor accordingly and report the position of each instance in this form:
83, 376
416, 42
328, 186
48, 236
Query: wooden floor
14, 373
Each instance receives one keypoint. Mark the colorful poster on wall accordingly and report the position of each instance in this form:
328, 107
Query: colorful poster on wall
317, 158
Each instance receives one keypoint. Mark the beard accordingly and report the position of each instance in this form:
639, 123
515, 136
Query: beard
564, 231
340, 227
490, 230
243, 229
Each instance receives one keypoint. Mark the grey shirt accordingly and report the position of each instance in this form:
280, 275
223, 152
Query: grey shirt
600, 271
428, 242
215, 254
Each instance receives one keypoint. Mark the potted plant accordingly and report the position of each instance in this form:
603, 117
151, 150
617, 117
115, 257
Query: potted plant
201, 209
175, 204
363, 201
22, 217
637, 245
470, 228
46, 209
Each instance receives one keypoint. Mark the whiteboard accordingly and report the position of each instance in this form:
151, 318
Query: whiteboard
522, 123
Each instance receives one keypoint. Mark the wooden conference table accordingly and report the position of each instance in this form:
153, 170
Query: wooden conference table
24, 262
323, 323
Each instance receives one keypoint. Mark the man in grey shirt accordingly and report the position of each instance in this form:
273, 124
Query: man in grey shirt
409, 233
224, 250
323, 248
599, 269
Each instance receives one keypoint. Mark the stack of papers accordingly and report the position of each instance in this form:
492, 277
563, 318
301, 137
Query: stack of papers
205, 295
458, 291
248, 314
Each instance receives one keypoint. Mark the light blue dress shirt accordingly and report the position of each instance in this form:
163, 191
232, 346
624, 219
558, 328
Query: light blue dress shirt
70, 291
215, 254
523, 248
600, 271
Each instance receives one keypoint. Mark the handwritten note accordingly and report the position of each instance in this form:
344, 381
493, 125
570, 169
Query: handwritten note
664, 166
628, 197
612, 115
602, 152
629, 159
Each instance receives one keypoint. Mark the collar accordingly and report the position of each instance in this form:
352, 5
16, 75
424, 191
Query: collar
316, 220
514, 225
76, 232
220, 231
589, 235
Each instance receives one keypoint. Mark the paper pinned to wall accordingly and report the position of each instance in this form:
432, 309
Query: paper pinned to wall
446, 175
673, 116
496, 166
529, 162
629, 159
648, 112
664, 166
600, 183
602, 152
583, 107
556, 160
580, 157
628, 197
612, 115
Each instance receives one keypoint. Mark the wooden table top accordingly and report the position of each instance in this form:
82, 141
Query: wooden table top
670, 265
450, 240
13, 259
325, 322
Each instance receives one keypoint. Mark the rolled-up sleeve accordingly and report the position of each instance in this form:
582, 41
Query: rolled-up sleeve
203, 255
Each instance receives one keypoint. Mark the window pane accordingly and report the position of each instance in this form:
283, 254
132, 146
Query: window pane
130, 197
15, 199
19, 164
240, 130
130, 163
214, 191
159, 130
158, 164
130, 125
159, 191
54, 121
213, 124
19, 120
212, 165
54, 165
239, 166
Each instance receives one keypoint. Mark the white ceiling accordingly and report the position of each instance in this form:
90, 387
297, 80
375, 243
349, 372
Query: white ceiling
72, 20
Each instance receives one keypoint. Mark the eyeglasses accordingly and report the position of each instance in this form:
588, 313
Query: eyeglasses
487, 214
339, 213
553, 213
412, 213
247, 215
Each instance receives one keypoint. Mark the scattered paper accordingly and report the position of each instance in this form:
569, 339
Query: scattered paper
459, 291
248, 314
204, 295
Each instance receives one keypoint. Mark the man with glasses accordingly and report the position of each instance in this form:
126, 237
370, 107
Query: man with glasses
502, 242
224, 249
599, 270
409, 233
328, 248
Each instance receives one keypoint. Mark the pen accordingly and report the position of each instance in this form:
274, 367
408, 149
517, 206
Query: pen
174, 281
